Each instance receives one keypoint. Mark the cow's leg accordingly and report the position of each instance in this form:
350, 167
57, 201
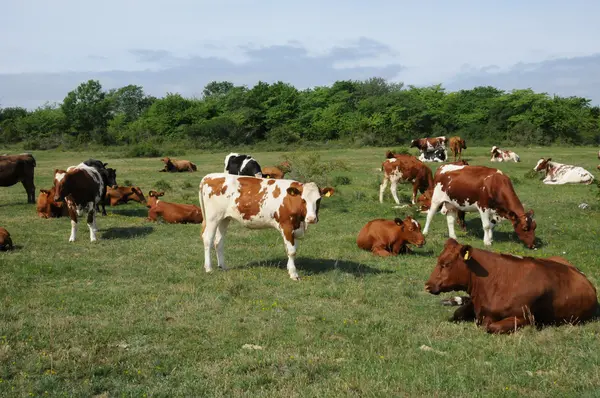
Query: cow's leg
91, 223
507, 325
430, 213
382, 188
152, 215
220, 243
487, 227
465, 312
381, 251
415, 190
291, 245
73, 215
29, 188
451, 219
208, 237
394, 190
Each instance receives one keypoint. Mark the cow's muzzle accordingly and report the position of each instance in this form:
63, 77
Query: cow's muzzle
431, 289
311, 220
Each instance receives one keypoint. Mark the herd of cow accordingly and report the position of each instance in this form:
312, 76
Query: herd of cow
547, 291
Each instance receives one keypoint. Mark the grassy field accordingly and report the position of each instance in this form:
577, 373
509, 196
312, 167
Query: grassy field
134, 314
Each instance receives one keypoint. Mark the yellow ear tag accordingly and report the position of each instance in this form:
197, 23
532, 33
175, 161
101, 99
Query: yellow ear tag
467, 255
328, 194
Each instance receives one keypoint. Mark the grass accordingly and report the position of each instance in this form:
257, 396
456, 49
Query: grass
134, 314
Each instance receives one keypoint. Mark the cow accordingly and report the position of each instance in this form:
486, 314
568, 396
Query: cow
18, 168
390, 237
457, 144
508, 291
257, 203
81, 187
428, 144
483, 189
243, 165
47, 207
404, 168
109, 177
121, 195
558, 173
174, 166
277, 172
499, 155
172, 213
5, 240
437, 155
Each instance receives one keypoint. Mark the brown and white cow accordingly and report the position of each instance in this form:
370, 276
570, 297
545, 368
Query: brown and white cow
499, 155
428, 144
507, 291
257, 203
122, 195
47, 207
457, 144
559, 173
81, 187
5, 240
480, 189
404, 168
390, 237
172, 213
18, 168
172, 165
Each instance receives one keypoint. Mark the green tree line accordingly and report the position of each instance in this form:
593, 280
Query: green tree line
369, 112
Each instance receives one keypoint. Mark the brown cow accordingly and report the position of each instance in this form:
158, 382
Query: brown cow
277, 172
428, 144
388, 238
483, 189
173, 165
18, 168
122, 195
404, 168
5, 240
508, 292
47, 207
173, 213
457, 144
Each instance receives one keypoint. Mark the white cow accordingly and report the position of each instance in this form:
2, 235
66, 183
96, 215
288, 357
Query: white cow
558, 173
500, 155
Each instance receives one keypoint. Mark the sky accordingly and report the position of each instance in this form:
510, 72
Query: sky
49, 47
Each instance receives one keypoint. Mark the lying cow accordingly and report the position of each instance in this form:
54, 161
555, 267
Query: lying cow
121, 195
558, 173
174, 166
499, 155
390, 237
457, 144
428, 144
243, 165
18, 168
480, 189
5, 240
47, 207
404, 168
437, 155
508, 292
257, 203
172, 213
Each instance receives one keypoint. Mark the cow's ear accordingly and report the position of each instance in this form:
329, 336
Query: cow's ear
161, 193
398, 221
45, 191
327, 191
105, 164
549, 159
293, 191
151, 193
465, 252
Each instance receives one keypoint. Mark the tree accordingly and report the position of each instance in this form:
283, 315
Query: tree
215, 88
86, 108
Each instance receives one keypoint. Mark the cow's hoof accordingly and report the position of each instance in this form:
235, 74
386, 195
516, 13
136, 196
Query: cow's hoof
295, 277
208, 270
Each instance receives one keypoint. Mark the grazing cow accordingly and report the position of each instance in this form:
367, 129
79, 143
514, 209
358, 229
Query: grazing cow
257, 203
109, 177
5, 240
558, 173
47, 207
172, 213
81, 187
457, 144
18, 168
437, 155
483, 189
428, 144
390, 237
121, 195
243, 165
174, 166
499, 155
507, 291
404, 168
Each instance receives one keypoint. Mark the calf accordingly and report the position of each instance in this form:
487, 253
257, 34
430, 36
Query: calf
558, 173
243, 165
109, 177
121, 195
257, 203
47, 207
404, 168
5, 240
174, 166
172, 213
387, 238
81, 187
428, 144
499, 155
437, 155
457, 144
507, 292
483, 189
18, 168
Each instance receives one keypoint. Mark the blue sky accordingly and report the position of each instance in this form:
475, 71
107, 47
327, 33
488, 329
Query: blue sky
180, 45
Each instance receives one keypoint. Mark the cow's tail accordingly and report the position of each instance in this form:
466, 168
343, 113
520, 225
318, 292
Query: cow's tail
201, 198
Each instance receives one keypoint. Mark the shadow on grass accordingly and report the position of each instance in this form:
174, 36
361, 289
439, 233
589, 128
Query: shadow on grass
135, 212
126, 232
318, 266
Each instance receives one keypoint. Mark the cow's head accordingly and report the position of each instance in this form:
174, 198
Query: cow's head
112, 178
285, 167
542, 164
44, 201
389, 154
165, 160
463, 144
524, 226
494, 149
415, 144
153, 195
137, 195
61, 185
307, 197
451, 272
424, 200
411, 230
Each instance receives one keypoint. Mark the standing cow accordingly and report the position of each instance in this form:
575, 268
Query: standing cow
18, 168
404, 168
457, 144
109, 177
243, 165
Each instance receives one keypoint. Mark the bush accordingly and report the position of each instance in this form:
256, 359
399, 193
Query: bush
143, 151
162, 185
341, 180
309, 168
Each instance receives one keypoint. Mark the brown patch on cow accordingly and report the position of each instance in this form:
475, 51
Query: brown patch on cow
271, 182
276, 192
412, 169
250, 197
390, 237
217, 186
5, 240
292, 211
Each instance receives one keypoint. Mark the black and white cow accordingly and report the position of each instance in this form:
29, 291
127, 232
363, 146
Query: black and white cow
109, 177
437, 155
243, 165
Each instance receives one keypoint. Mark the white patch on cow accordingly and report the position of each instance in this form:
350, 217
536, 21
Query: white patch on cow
450, 167
227, 160
499, 172
391, 160
516, 256
416, 223
538, 165
59, 176
245, 163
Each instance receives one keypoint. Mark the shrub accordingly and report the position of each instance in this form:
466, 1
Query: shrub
341, 180
310, 168
162, 185
144, 150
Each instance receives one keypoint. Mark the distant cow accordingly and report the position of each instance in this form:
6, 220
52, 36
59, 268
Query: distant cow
499, 155
428, 144
5, 240
121, 195
81, 187
437, 155
277, 172
508, 291
109, 177
47, 207
480, 189
172, 213
174, 166
558, 173
404, 168
390, 237
257, 203
243, 165
18, 168
457, 144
